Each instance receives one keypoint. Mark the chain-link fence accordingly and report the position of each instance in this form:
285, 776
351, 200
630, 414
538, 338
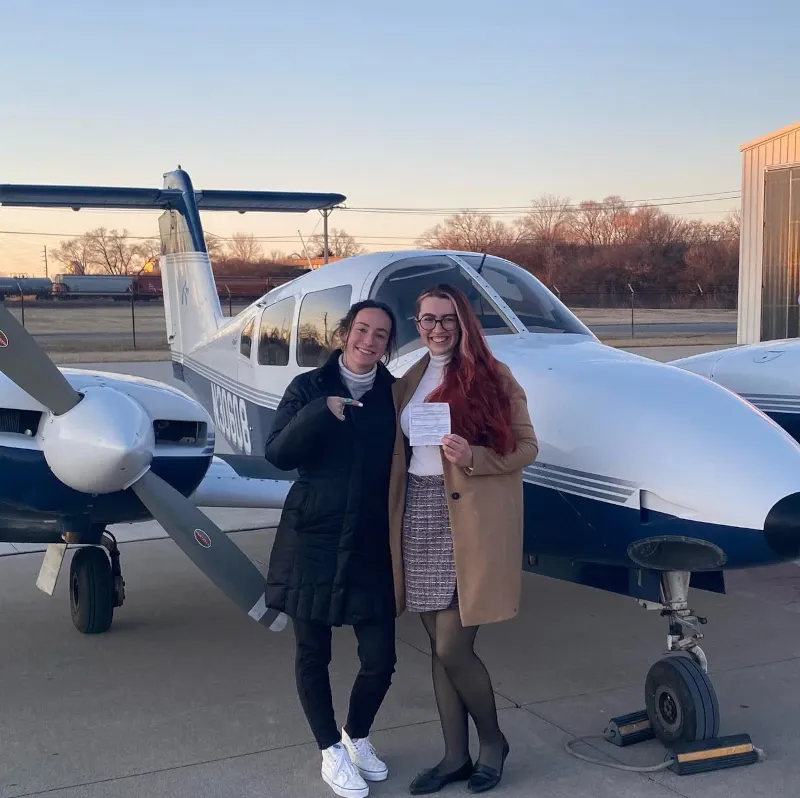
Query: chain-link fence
130, 323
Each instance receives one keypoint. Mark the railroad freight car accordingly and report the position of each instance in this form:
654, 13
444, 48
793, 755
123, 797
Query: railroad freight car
39, 287
67, 286
147, 286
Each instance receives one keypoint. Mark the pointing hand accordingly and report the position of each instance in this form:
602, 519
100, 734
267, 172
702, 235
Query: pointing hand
336, 405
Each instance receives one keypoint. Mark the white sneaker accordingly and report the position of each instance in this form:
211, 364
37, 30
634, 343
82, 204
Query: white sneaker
363, 756
341, 775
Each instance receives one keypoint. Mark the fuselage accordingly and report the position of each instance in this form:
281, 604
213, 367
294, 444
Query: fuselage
641, 464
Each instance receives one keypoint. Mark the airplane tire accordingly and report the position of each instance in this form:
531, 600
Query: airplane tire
91, 590
680, 700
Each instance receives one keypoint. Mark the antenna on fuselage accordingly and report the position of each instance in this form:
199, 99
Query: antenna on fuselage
304, 248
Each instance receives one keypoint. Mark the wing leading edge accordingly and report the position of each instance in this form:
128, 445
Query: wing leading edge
76, 197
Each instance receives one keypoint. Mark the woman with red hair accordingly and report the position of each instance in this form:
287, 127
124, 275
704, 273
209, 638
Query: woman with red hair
456, 524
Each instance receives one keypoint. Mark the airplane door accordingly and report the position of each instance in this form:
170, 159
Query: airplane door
246, 356
268, 371
231, 411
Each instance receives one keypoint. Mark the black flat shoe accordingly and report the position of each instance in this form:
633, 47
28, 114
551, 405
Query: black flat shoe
485, 778
434, 779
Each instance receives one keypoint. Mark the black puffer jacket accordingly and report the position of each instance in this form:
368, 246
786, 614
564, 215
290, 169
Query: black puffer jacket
330, 561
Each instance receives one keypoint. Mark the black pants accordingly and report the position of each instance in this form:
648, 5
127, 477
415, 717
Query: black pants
376, 651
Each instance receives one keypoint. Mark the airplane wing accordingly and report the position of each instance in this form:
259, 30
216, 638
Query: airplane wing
77, 197
240, 481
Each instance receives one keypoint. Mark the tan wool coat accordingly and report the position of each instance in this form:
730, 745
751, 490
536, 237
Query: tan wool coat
486, 511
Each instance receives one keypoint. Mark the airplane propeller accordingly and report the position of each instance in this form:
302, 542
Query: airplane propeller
24, 362
119, 446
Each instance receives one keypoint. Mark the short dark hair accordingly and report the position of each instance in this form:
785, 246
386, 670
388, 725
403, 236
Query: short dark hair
346, 324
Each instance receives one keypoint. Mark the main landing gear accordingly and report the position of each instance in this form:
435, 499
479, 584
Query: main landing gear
96, 586
680, 699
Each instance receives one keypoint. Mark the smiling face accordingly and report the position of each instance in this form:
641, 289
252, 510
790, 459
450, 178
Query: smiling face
440, 341
366, 344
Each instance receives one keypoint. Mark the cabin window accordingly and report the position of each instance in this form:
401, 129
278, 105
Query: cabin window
536, 307
246, 341
275, 332
320, 314
399, 285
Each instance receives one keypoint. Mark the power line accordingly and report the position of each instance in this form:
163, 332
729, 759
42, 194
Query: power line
531, 209
648, 199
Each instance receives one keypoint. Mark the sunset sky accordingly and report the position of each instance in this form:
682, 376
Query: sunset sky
425, 105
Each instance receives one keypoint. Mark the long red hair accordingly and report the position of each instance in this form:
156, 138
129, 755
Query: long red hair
480, 407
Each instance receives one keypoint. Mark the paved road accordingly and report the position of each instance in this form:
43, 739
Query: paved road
665, 329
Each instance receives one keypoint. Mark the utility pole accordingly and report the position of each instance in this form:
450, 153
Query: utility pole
45, 263
325, 250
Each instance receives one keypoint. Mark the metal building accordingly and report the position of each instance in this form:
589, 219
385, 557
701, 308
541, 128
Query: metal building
769, 255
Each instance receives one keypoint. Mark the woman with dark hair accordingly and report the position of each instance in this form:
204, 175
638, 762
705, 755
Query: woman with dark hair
330, 563
456, 524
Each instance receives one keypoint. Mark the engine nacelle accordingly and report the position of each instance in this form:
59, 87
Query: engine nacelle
103, 445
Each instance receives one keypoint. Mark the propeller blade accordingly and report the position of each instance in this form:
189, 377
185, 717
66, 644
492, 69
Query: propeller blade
209, 548
24, 362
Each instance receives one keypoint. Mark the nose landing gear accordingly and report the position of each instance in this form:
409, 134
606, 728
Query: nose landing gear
96, 586
680, 700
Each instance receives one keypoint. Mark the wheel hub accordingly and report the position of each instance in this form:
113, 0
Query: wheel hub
669, 710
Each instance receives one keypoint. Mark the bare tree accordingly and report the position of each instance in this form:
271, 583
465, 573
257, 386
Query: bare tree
340, 245
650, 225
215, 247
585, 223
149, 250
614, 221
77, 254
547, 221
114, 252
244, 247
469, 232
104, 251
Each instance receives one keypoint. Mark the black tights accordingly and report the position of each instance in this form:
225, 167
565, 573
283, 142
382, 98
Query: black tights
462, 687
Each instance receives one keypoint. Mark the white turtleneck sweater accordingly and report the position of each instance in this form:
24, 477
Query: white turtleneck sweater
425, 460
357, 384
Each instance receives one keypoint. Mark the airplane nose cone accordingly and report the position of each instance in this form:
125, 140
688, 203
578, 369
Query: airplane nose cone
782, 527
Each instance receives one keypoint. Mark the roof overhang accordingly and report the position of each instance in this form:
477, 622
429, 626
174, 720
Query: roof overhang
769, 136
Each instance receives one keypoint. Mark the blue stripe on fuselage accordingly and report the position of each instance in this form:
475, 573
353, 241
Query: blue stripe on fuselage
789, 421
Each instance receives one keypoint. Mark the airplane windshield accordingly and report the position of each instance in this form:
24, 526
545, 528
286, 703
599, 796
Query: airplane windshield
531, 302
400, 283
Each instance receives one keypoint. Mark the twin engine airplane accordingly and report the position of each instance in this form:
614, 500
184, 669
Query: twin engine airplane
650, 479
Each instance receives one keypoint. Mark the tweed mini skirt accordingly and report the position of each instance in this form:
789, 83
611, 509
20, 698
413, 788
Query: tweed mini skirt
428, 561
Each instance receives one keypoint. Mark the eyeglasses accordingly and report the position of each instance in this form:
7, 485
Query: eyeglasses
429, 322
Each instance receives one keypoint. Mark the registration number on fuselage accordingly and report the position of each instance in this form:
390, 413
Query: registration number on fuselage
230, 417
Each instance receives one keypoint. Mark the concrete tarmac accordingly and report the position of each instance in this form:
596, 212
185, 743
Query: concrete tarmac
187, 698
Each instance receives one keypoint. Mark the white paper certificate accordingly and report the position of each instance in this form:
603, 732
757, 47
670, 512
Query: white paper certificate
428, 422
